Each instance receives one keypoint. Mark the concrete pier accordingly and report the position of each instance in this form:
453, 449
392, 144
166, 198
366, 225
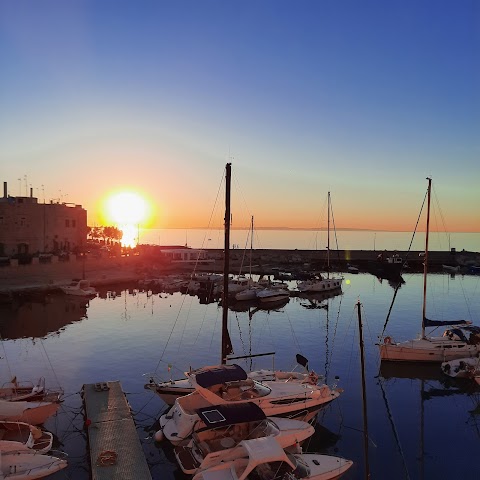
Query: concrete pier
115, 449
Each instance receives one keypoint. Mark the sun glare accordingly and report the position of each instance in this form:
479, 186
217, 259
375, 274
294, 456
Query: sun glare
127, 210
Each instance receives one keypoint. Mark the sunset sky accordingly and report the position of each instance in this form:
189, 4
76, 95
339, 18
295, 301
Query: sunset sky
360, 98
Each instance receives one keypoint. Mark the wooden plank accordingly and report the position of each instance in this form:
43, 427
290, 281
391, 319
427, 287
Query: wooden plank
115, 449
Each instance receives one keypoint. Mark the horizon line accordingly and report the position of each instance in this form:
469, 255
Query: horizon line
301, 229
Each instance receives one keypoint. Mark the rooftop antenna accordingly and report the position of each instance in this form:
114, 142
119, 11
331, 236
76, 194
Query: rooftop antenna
20, 187
26, 185
43, 192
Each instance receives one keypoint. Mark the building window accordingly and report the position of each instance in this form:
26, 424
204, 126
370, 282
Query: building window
2, 221
74, 223
67, 223
23, 221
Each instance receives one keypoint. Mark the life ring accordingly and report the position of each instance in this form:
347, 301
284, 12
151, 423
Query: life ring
387, 340
106, 458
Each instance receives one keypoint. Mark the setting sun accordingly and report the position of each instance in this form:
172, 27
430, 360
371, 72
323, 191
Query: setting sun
127, 210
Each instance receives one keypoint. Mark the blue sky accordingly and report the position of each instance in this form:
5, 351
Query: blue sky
362, 98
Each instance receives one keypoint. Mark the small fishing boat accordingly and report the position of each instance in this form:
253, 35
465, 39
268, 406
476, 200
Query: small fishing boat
79, 288
27, 390
22, 436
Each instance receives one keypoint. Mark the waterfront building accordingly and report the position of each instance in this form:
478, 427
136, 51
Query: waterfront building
28, 227
186, 255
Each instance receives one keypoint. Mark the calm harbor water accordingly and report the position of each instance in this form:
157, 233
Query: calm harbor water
421, 425
313, 239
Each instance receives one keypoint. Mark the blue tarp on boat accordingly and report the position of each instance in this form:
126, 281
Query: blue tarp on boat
220, 374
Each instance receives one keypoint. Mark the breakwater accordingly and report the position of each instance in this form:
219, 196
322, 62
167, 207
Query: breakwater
263, 261
114, 270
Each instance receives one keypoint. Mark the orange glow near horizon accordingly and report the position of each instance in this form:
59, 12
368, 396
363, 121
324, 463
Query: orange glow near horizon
128, 210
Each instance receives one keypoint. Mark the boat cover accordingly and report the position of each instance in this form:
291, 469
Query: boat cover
442, 323
220, 374
264, 450
224, 415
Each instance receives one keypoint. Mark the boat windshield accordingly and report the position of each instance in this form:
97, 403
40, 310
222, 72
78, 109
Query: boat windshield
271, 471
301, 469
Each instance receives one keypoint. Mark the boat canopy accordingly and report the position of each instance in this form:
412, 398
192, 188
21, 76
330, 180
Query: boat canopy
220, 374
264, 450
447, 323
224, 415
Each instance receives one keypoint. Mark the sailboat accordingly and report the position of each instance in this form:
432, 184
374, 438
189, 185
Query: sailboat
172, 389
460, 339
230, 385
319, 283
249, 293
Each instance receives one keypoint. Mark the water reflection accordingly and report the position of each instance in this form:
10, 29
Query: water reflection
315, 300
42, 317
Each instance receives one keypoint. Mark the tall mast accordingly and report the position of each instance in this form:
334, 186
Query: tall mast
328, 238
226, 344
425, 263
251, 249
364, 394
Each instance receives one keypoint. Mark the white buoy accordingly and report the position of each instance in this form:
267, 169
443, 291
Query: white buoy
158, 436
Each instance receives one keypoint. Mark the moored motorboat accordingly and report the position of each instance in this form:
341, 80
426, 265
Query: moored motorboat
230, 385
264, 459
170, 390
221, 429
79, 288
462, 367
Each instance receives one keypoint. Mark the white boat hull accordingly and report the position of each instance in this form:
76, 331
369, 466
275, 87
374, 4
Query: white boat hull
274, 297
434, 349
263, 457
287, 432
462, 367
285, 401
29, 466
326, 285
34, 413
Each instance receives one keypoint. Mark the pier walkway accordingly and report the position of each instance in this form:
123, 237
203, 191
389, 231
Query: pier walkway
115, 449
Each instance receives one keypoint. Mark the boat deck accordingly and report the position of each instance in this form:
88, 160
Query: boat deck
115, 449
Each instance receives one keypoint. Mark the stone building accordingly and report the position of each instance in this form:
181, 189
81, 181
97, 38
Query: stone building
29, 227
